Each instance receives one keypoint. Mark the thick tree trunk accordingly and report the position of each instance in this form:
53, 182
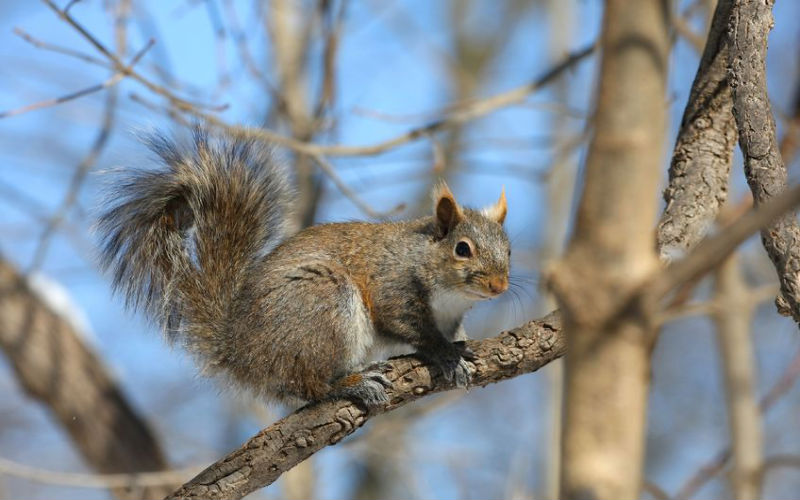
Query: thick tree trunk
611, 253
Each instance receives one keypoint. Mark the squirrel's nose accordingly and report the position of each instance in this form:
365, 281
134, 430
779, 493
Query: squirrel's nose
498, 284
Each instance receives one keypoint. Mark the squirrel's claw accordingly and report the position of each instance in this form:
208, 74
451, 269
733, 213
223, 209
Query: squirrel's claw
367, 388
380, 378
454, 364
463, 374
465, 351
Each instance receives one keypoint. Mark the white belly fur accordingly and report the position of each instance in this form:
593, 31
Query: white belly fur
448, 310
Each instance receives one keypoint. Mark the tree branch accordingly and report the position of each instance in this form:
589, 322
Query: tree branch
714, 249
114, 79
750, 23
55, 366
287, 442
733, 319
718, 462
702, 157
469, 111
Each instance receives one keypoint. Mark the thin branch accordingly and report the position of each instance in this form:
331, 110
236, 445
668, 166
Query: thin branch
472, 110
240, 40
332, 26
113, 80
284, 444
78, 480
39, 44
714, 249
176, 101
330, 171
220, 37
656, 491
97, 148
684, 29
777, 461
755, 297
714, 466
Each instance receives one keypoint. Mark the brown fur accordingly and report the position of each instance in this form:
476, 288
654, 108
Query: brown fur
203, 245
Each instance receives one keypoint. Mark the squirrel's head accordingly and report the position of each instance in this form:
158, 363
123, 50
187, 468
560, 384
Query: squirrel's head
475, 245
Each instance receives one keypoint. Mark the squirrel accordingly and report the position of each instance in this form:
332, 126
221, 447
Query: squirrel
205, 245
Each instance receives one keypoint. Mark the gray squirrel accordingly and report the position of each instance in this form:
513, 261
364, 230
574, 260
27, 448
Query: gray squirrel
204, 244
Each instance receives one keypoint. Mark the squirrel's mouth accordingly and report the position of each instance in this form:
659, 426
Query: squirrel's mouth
479, 294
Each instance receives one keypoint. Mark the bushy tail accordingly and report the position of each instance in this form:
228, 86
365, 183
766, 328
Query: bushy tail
180, 239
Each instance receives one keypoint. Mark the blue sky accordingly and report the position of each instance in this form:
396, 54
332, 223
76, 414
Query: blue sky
391, 62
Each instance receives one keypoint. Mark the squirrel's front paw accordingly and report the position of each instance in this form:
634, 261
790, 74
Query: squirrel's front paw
367, 388
462, 374
454, 363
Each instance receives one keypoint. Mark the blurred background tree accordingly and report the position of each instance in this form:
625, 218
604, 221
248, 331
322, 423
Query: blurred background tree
82, 79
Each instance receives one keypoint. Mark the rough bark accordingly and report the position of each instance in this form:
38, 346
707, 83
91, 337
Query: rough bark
790, 144
262, 459
611, 254
702, 157
57, 368
750, 23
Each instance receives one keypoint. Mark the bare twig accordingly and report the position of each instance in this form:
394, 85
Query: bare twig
39, 44
755, 297
220, 37
777, 461
682, 27
714, 466
279, 447
178, 102
333, 29
78, 480
113, 80
97, 148
330, 171
713, 250
656, 491
240, 39
475, 109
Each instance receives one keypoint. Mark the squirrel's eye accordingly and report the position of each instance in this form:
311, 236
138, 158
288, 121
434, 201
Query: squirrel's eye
462, 249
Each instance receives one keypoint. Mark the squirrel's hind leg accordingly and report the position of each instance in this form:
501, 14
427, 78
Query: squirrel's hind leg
317, 303
368, 388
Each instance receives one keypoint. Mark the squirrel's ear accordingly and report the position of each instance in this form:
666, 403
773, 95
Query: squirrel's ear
497, 212
445, 208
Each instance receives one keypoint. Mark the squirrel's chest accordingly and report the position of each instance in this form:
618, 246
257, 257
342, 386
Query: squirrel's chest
448, 310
